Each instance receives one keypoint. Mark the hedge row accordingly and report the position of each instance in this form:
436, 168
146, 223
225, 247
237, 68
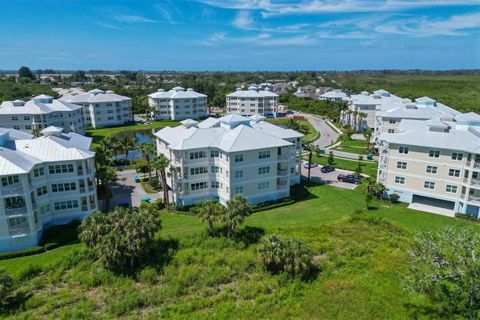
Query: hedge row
466, 217
274, 205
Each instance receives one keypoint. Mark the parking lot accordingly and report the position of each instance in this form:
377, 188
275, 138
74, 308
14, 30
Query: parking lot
327, 178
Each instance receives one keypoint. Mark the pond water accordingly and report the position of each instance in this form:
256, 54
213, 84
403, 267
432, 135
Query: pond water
144, 135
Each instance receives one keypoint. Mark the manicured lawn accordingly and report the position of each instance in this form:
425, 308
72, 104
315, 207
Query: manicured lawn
310, 136
368, 167
361, 256
98, 134
353, 146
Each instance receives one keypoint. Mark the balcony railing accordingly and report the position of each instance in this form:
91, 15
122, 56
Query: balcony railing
474, 198
80, 172
282, 172
89, 171
12, 189
90, 188
19, 229
476, 164
283, 156
82, 189
15, 211
84, 207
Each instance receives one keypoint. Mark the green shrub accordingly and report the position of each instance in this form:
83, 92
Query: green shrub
288, 255
466, 217
394, 198
29, 272
159, 203
21, 253
148, 275
6, 284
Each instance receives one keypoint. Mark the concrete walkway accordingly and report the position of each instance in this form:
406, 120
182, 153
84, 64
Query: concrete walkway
128, 192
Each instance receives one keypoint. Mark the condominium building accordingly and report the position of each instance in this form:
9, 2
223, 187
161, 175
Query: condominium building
178, 104
102, 108
434, 163
253, 101
44, 181
362, 108
423, 108
220, 158
41, 112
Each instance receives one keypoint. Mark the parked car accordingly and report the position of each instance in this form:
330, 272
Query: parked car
327, 169
349, 178
310, 165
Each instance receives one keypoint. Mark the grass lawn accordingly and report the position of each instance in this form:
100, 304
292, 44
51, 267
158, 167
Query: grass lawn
368, 167
362, 258
99, 134
310, 136
353, 146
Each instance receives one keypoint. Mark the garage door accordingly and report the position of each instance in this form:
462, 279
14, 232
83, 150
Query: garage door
450, 205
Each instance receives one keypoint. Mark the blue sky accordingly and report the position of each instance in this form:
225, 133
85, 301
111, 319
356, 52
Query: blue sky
240, 35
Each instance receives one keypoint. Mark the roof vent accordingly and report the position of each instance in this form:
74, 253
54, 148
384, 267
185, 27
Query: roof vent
18, 103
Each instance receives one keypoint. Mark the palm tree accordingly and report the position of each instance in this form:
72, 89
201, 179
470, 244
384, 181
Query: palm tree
367, 133
310, 148
146, 149
237, 210
160, 163
210, 211
128, 144
114, 144
106, 175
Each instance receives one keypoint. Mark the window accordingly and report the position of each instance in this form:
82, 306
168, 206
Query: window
391, 130
401, 165
451, 189
263, 185
238, 174
403, 150
263, 170
44, 209
38, 172
392, 121
238, 190
62, 205
429, 185
214, 169
214, 154
28, 127
215, 185
61, 187
457, 156
42, 190
432, 169
454, 173
239, 157
198, 186
26, 118
14, 118
6, 181
400, 180
434, 153
198, 170
197, 155
264, 154
63, 168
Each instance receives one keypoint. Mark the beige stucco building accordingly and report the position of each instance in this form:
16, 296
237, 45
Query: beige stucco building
253, 101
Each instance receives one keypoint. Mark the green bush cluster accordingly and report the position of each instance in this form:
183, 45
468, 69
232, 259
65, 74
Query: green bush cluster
267, 205
466, 217
324, 108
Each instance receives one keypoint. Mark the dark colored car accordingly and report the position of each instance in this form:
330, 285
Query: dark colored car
349, 178
327, 169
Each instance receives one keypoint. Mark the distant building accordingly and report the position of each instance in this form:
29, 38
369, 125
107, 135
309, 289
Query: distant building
224, 157
41, 112
178, 103
253, 101
307, 91
44, 181
282, 87
102, 108
334, 95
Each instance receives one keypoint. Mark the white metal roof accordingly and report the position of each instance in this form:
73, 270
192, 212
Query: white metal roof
37, 107
94, 96
252, 94
177, 93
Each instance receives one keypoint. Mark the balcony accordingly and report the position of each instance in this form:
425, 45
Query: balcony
89, 171
282, 172
82, 189
283, 156
90, 188
19, 229
474, 198
476, 164
15, 211
12, 189
84, 207
80, 172
282, 184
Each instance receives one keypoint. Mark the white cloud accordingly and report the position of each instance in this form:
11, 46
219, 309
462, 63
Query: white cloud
128, 18
456, 25
275, 8
243, 20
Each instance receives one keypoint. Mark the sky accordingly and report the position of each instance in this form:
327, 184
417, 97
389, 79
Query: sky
235, 35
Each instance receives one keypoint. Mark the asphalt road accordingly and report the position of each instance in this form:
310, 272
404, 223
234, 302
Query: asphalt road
327, 134
317, 176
